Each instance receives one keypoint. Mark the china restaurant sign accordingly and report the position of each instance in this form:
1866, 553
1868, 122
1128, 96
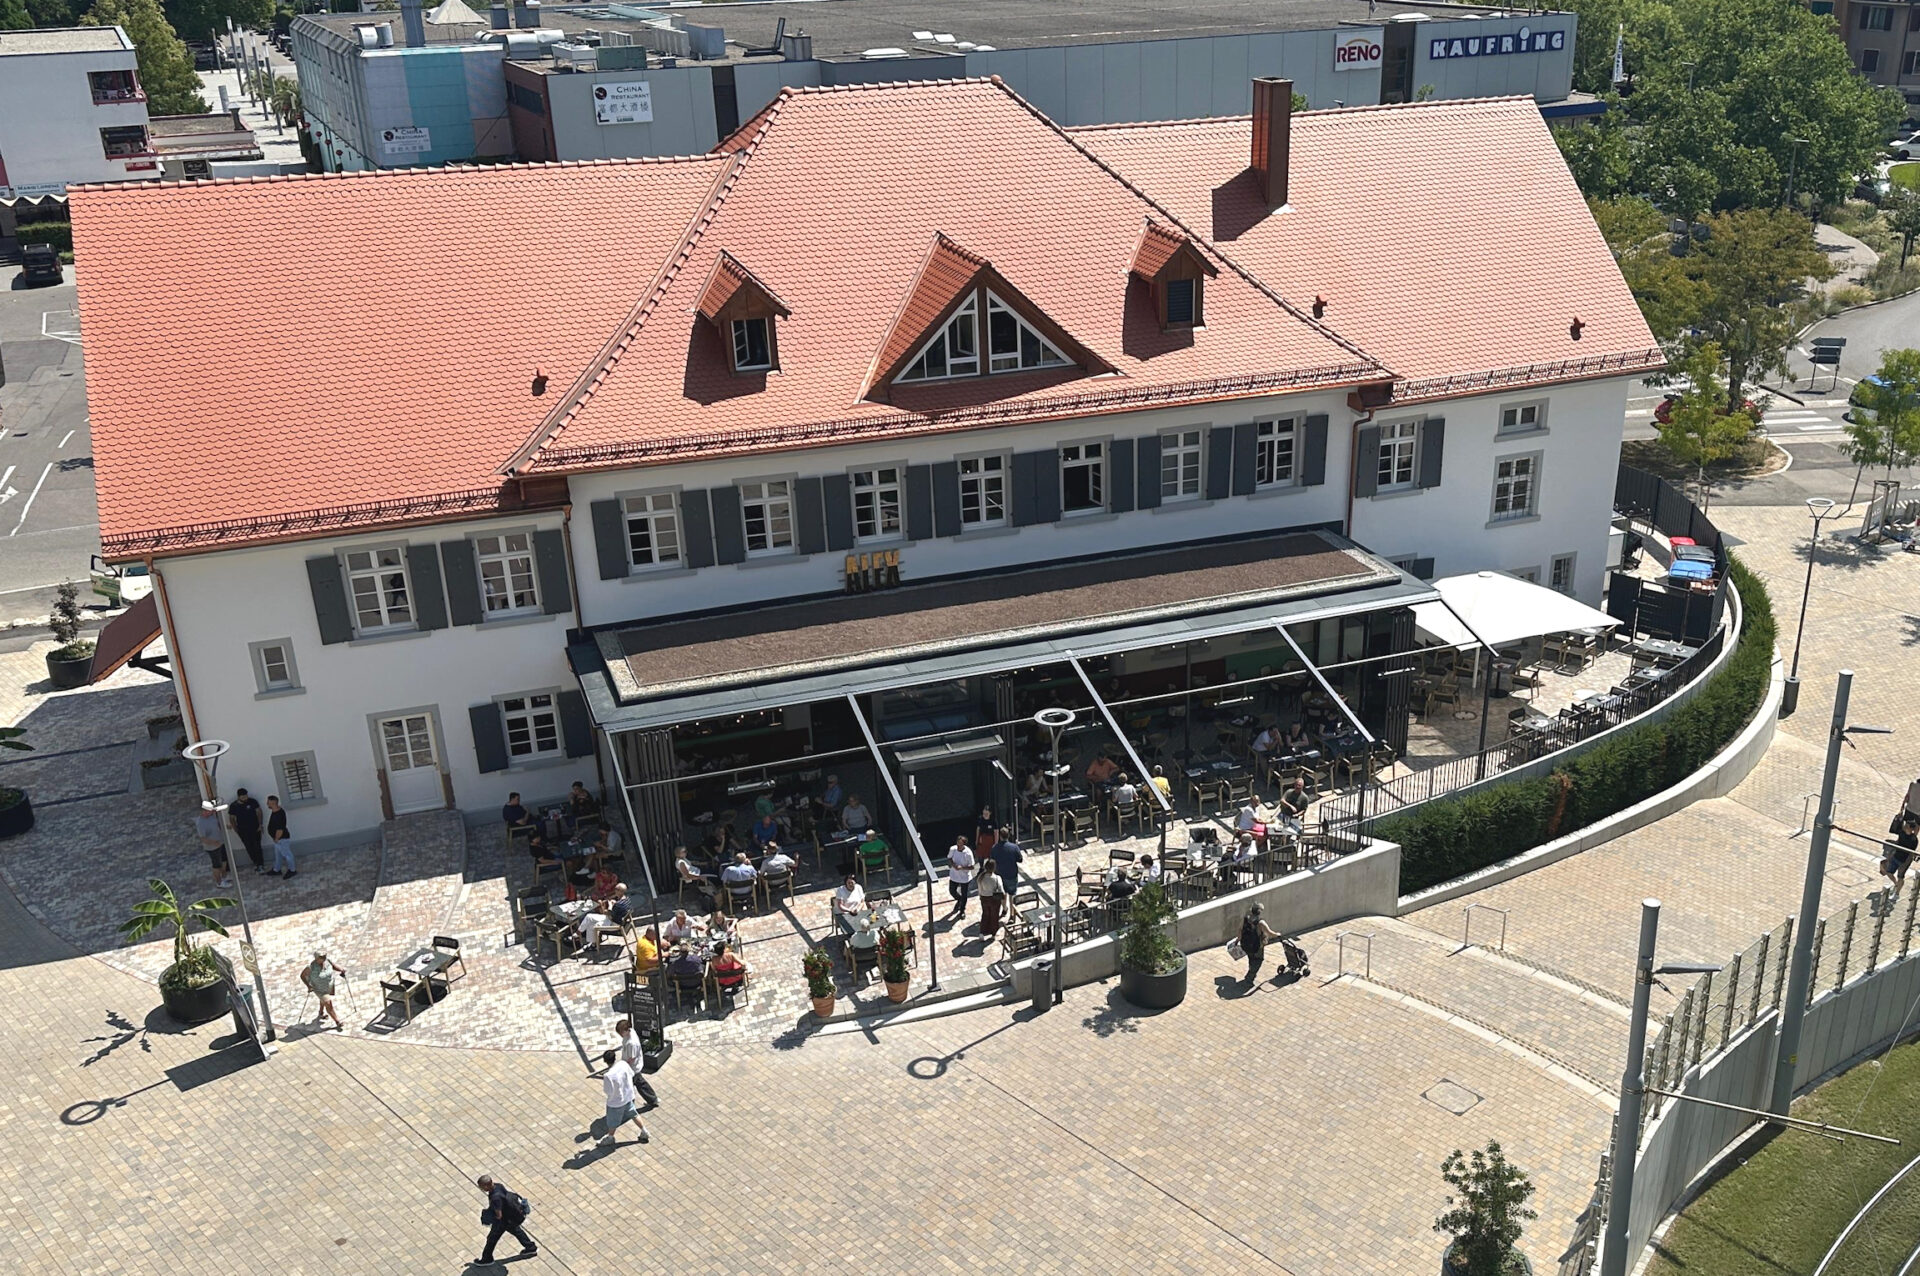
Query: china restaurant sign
1525, 40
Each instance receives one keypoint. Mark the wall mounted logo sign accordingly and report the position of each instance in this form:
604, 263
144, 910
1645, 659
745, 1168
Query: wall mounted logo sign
878, 570
1358, 51
405, 141
623, 102
1525, 40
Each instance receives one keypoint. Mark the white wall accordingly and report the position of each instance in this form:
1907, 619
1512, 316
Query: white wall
50, 126
220, 603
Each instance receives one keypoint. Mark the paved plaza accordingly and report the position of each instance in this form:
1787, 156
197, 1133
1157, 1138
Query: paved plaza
1294, 1127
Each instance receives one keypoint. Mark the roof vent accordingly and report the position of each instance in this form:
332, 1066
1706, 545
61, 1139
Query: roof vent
499, 19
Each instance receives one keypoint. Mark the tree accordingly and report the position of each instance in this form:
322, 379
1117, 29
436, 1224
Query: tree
165, 909
52, 13
1884, 428
1667, 294
14, 15
1487, 1210
166, 68
1700, 430
1904, 220
1599, 154
1749, 266
205, 21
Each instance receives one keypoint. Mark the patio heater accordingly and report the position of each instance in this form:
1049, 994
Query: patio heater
1818, 507
207, 754
1053, 722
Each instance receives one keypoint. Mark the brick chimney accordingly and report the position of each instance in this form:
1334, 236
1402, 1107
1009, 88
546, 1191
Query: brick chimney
1272, 136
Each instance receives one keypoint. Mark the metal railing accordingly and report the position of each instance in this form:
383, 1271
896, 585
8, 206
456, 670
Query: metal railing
1363, 940
1466, 926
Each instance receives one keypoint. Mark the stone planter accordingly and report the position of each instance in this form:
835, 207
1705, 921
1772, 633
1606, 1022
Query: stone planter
16, 819
166, 773
195, 1005
1154, 992
1516, 1263
68, 674
823, 1007
898, 992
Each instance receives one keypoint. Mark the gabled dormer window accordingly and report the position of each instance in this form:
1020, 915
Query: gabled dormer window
1013, 345
743, 310
1177, 272
954, 350
752, 345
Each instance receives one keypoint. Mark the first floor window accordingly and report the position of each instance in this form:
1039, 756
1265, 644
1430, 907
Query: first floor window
1513, 486
1180, 464
506, 572
1273, 453
1083, 475
954, 350
653, 529
983, 491
124, 140
752, 352
1876, 17
1397, 444
768, 510
876, 503
1560, 573
1518, 418
297, 778
377, 582
533, 726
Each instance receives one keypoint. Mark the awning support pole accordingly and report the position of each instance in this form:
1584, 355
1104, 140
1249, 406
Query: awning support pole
1146, 777
658, 974
1327, 687
913, 835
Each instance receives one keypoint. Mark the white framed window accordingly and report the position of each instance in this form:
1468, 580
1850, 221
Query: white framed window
377, 585
273, 667
1083, 477
653, 529
1399, 445
1529, 574
1523, 418
1515, 486
954, 350
1276, 447
1012, 343
296, 777
752, 351
1182, 464
532, 725
506, 573
1560, 573
983, 490
876, 503
767, 509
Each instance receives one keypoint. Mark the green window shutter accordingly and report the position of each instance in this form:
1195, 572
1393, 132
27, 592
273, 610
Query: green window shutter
489, 737
429, 599
1243, 444
1147, 472
1366, 462
550, 563
1433, 440
330, 609
610, 539
1313, 451
1219, 462
1120, 476
576, 728
462, 568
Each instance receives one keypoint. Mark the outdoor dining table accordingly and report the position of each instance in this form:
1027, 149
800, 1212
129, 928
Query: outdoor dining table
1042, 919
422, 966
1662, 650
868, 925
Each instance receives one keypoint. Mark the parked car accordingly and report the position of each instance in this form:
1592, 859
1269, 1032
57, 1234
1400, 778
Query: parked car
40, 264
1907, 147
1861, 390
1874, 188
120, 586
1664, 413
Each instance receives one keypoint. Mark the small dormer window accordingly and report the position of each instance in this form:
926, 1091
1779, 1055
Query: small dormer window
1177, 272
752, 345
1183, 302
954, 350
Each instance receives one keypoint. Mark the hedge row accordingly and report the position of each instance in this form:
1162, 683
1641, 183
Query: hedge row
59, 234
1454, 836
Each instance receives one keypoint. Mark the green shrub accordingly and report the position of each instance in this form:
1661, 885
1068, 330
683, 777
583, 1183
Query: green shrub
59, 234
1458, 835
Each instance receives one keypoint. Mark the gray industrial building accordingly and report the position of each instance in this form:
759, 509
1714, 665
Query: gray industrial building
605, 81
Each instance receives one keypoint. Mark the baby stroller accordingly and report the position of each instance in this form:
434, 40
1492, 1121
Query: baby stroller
1296, 958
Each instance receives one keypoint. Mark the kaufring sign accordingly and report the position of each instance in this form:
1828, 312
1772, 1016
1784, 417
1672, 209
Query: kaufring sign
1525, 40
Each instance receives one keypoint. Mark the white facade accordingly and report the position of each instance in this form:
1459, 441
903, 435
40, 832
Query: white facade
453, 682
71, 111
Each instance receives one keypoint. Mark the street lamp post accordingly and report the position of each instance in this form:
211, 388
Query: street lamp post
207, 754
1053, 722
1793, 167
1820, 508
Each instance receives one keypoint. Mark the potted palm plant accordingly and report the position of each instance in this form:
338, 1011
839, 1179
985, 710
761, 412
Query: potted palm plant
190, 988
817, 965
1486, 1213
16, 812
1153, 970
894, 946
68, 664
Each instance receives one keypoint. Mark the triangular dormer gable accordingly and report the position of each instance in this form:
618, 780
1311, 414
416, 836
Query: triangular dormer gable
1176, 271
743, 310
962, 318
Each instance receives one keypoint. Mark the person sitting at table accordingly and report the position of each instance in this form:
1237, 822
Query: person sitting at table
766, 831
1120, 886
514, 815
777, 861
833, 797
581, 805
646, 951
1249, 821
739, 873
1237, 858
685, 967
543, 855
720, 927
1149, 871
691, 877
1036, 786
679, 928
1125, 794
854, 817
1161, 782
1294, 802
604, 883
619, 907
1100, 773
728, 970
1296, 741
591, 923
1266, 741
848, 900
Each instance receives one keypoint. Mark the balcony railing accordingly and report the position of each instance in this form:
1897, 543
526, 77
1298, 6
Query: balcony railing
118, 97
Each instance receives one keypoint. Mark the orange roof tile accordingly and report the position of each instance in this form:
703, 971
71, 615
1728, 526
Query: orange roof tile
279, 357
1160, 245
943, 278
1447, 238
726, 281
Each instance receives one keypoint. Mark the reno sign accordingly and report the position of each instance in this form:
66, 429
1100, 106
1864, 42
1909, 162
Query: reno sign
1357, 51
1525, 40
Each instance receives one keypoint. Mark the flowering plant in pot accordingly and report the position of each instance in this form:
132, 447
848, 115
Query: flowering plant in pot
817, 965
69, 664
894, 947
1487, 1211
190, 988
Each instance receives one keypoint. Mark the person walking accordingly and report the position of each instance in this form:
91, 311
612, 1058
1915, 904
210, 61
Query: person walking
213, 839
1006, 857
960, 869
631, 1050
992, 896
1254, 934
243, 814
318, 977
283, 851
617, 1082
506, 1212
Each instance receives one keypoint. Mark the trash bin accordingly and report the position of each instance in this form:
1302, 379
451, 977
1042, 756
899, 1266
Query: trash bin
1042, 984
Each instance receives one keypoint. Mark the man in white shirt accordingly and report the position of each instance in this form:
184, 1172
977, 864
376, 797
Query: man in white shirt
778, 861
1264, 743
617, 1082
1124, 792
848, 900
635, 1056
1249, 815
678, 930
960, 868
591, 925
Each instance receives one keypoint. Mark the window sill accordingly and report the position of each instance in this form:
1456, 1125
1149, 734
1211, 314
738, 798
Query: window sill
526, 618
545, 762
1531, 431
654, 571
878, 543
1179, 503
1394, 494
397, 635
987, 533
1275, 489
1512, 522
1086, 516
771, 560
301, 804
278, 693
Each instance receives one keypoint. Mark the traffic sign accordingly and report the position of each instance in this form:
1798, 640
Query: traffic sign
1828, 342
1826, 356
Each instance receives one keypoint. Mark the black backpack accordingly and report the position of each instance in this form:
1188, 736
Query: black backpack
1250, 940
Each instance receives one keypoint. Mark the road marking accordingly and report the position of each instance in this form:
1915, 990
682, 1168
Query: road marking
1638, 412
62, 443
5, 477
69, 335
30, 496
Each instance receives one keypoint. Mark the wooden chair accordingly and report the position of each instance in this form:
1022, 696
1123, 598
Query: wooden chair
1236, 790
1119, 857
1043, 825
1204, 790
739, 893
1019, 939
448, 944
1135, 810
697, 988
780, 879
874, 855
1089, 885
726, 995
859, 958
401, 991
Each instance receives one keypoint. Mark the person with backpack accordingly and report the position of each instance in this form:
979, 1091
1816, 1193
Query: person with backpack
1254, 934
506, 1212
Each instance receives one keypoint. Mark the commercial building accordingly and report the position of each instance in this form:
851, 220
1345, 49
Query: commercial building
766, 470
1883, 39
610, 81
71, 110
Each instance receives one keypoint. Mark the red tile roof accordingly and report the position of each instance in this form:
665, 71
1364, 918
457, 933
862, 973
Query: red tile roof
944, 276
280, 357
1447, 238
1160, 245
727, 279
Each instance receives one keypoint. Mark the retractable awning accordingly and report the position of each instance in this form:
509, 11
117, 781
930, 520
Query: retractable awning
1499, 609
125, 637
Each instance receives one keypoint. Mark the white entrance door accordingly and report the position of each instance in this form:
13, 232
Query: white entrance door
413, 763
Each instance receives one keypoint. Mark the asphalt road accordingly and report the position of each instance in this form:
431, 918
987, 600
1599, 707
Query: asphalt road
49, 528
